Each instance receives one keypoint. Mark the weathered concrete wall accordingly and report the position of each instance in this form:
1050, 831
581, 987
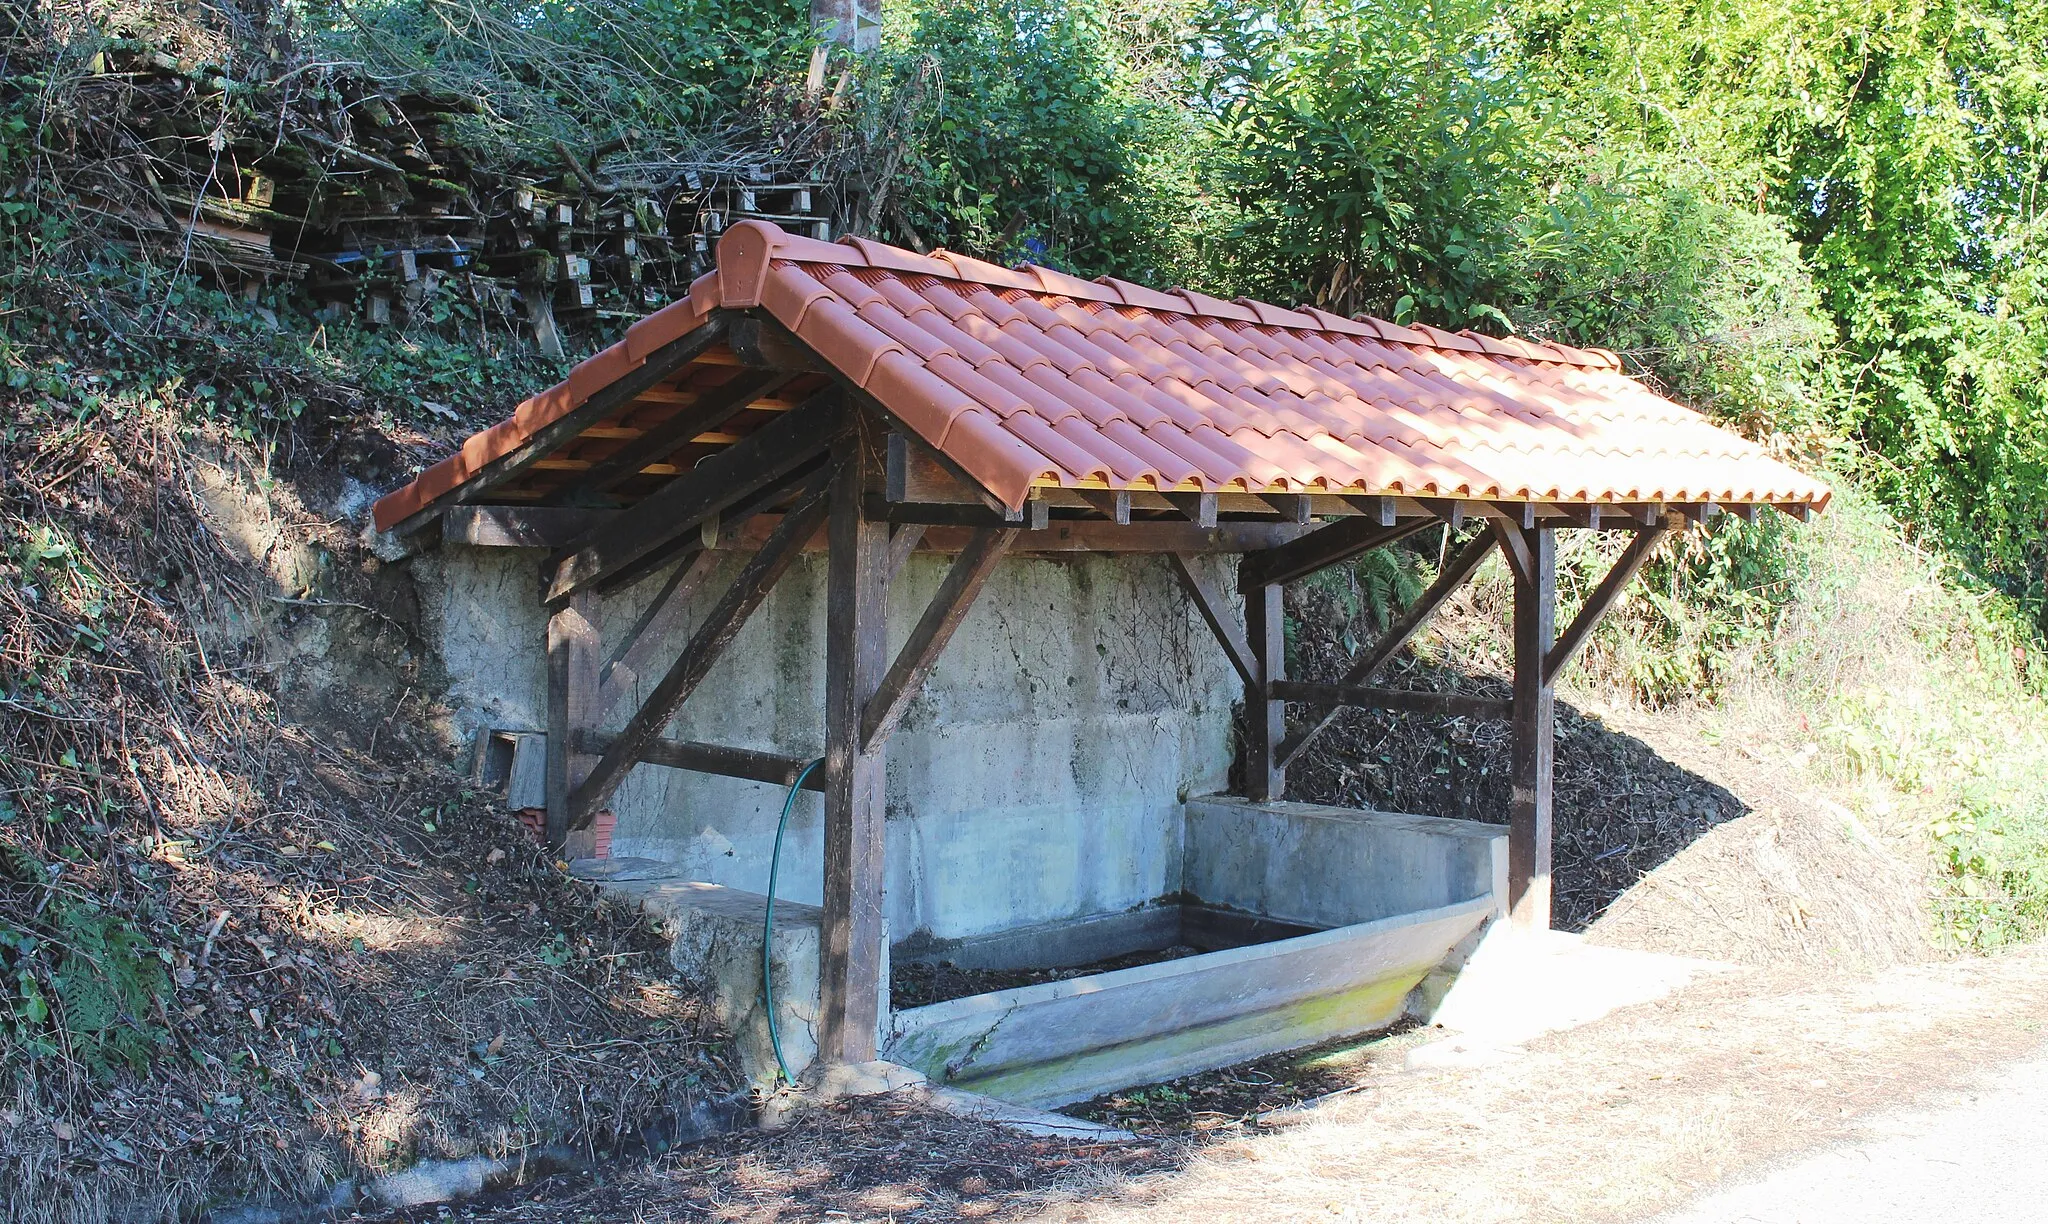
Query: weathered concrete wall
1039, 777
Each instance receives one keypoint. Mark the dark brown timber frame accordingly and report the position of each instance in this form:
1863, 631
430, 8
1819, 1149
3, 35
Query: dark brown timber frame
835, 470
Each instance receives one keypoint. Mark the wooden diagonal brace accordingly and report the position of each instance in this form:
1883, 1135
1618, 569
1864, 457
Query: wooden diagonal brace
631, 658
766, 455
928, 640
720, 627
1573, 639
1221, 618
1456, 573
1514, 546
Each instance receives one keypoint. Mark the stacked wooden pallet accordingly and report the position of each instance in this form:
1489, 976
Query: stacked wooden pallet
370, 199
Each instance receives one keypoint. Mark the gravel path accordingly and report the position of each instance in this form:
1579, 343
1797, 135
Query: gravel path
1983, 1159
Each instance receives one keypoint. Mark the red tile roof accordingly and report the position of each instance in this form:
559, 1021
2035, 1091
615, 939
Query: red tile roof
1029, 377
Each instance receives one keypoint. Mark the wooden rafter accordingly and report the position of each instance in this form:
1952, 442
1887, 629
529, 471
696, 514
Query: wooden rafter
721, 625
949, 606
715, 408
1456, 573
770, 453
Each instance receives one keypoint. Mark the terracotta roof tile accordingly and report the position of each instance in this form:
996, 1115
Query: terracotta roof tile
1030, 376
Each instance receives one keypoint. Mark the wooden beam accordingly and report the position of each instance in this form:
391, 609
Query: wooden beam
660, 365
766, 344
773, 768
1600, 601
782, 488
1033, 517
1514, 546
949, 606
1532, 751
1221, 618
717, 406
1292, 507
852, 998
633, 656
1380, 510
1450, 705
1587, 517
1197, 508
1265, 714
1326, 545
1113, 504
721, 625
1449, 509
548, 527
1068, 536
574, 649
768, 454
1456, 573
902, 542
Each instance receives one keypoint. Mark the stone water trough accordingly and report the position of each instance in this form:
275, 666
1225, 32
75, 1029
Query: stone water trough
1310, 923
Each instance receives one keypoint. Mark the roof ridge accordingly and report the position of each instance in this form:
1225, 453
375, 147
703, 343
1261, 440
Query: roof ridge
755, 244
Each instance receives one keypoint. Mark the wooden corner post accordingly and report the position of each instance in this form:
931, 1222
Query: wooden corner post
1532, 554
856, 645
1266, 633
575, 655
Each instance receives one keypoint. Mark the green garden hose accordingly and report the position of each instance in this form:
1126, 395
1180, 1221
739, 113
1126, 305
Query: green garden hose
768, 921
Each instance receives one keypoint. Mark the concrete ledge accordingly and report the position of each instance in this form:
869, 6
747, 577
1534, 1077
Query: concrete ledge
1065, 1041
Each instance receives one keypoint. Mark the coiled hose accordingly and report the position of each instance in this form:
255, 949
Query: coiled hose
768, 921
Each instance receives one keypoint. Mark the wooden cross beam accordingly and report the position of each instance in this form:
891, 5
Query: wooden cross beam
1600, 601
1456, 573
774, 768
1458, 705
1324, 546
1220, 617
949, 606
1197, 508
680, 507
721, 625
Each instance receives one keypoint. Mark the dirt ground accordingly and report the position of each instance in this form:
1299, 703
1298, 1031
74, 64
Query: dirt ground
1632, 1115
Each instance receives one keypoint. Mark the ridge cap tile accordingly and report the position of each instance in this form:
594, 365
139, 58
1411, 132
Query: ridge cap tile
980, 271
1201, 304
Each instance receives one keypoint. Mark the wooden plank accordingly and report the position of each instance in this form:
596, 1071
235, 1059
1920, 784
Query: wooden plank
634, 655
851, 998
721, 625
1221, 619
1600, 601
770, 453
1265, 714
713, 409
773, 768
949, 606
912, 472
766, 344
548, 527
1456, 573
1326, 545
1532, 752
660, 365
1450, 705
574, 649
1071, 536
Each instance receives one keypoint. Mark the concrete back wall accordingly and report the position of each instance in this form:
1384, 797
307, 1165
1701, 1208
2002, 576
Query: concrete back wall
1040, 776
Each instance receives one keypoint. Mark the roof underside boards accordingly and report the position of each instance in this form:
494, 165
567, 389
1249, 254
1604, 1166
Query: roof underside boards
1029, 378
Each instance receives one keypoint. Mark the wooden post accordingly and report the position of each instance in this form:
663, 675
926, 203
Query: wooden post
1529, 811
575, 654
1265, 631
851, 991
